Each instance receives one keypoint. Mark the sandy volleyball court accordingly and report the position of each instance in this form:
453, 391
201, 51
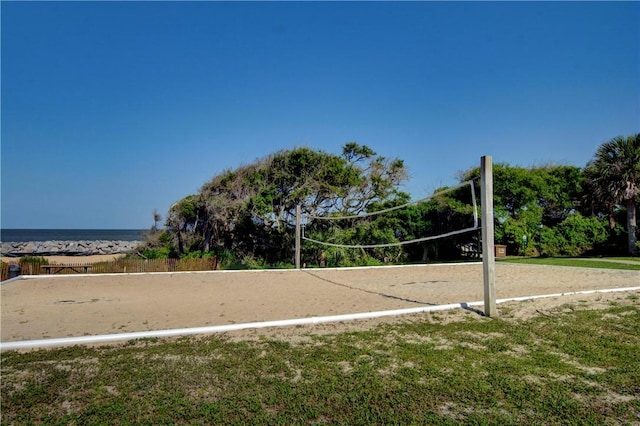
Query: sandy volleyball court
71, 306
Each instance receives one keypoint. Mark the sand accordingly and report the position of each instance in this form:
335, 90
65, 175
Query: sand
77, 305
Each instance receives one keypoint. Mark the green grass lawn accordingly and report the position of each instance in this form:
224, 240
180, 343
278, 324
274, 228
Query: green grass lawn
628, 258
572, 365
605, 263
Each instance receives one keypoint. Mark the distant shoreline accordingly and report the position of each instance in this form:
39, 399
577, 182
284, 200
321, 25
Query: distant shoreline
45, 235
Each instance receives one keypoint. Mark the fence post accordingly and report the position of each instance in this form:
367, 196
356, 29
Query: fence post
488, 247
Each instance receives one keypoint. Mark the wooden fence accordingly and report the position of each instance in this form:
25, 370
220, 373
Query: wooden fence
117, 266
4, 272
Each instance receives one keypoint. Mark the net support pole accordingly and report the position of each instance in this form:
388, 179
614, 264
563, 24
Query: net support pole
488, 247
298, 214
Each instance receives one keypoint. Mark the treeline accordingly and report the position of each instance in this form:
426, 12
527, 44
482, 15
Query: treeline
247, 216
544, 211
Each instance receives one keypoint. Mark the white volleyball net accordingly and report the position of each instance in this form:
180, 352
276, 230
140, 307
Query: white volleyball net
447, 214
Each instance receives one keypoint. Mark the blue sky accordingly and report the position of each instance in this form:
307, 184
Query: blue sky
113, 109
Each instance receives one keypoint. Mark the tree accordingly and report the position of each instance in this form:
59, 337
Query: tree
613, 176
526, 198
251, 210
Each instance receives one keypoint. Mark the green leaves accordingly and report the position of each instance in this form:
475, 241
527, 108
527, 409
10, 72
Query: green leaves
574, 236
250, 211
542, 204
613, 177
616, 168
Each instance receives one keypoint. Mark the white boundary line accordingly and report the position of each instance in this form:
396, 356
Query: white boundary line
104, 338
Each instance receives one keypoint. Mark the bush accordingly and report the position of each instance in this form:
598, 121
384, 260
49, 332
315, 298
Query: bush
575, 236
250, 262
157, 245
156, 253
33, 260
226, 258
30, 265
197, 254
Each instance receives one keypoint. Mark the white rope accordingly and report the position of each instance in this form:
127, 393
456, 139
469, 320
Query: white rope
399, 243
475, 205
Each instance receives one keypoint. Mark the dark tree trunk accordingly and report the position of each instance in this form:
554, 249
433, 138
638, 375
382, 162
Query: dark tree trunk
631, 227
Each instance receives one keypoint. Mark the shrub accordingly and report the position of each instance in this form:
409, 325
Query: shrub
575, 236
156, 253
198, 254
157, 245
34, 259
250, 262
30, 265
226, 258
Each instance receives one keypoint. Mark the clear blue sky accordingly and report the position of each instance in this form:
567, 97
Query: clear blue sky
113, 109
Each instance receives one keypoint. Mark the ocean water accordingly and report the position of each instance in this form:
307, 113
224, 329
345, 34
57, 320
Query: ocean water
18, 235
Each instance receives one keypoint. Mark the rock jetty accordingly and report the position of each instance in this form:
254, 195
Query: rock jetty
66, 248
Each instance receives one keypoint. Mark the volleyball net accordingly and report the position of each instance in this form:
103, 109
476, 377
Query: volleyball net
446, 213
399, 232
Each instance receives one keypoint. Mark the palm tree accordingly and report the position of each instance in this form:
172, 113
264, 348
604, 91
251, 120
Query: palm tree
614, 177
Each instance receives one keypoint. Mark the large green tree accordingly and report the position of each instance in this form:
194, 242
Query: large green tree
251, 210
614, 179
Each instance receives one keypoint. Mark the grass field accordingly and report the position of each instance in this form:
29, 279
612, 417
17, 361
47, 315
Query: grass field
624, 263
574, 364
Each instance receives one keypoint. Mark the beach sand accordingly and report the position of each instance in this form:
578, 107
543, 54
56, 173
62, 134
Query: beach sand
77, 305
